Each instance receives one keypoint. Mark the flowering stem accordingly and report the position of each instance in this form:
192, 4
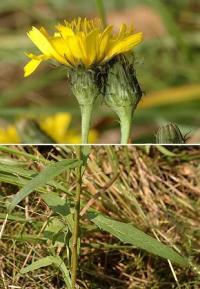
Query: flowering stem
102, 12
74, 260
86, 114
125, 114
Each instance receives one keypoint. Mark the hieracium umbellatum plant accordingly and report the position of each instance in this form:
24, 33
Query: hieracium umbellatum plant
67, 229
98, 61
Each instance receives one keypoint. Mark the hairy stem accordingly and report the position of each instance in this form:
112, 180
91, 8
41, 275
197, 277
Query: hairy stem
74, 259
125, 114
86, 114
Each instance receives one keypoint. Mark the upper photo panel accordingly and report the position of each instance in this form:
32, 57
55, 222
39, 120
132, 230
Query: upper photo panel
99, 72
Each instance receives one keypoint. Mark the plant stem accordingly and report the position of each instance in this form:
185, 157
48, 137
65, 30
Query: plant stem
125, 115
102, 12
74, 259
86, 114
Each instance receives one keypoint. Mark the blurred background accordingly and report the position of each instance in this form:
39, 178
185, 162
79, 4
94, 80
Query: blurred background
167, 65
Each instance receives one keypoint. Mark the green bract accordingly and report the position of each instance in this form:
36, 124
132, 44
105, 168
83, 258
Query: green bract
122, 91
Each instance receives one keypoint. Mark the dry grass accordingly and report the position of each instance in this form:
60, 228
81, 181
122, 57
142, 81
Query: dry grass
157, 193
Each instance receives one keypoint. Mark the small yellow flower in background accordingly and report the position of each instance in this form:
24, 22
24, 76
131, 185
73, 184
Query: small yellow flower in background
9, 135
57, 127
81, 42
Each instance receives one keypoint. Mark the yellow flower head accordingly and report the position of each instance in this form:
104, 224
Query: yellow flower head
9, 135
81, 42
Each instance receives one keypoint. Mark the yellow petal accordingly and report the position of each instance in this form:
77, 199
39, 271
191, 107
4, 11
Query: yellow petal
56, 126
42, 42
61, 47
31, 66
75, 49
82, 44
92, 43
65, 31
74, 44
104, 40
122, 31
124, 45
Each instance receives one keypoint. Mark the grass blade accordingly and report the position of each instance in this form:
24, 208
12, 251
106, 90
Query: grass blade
50, 260
50, 172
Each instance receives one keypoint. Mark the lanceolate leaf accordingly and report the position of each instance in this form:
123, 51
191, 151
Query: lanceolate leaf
59, 206
50, 260
127, 233
48, 173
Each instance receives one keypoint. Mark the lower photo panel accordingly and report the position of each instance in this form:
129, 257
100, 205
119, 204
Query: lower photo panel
99, 217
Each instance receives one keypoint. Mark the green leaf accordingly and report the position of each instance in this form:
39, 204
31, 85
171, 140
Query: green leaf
56, 231
59, 206
127, 233
48, 173
56, 203
50, 260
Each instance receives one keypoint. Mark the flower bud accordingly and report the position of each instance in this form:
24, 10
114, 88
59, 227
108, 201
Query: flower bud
122, 88
169, 134
122, 92
84, 86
